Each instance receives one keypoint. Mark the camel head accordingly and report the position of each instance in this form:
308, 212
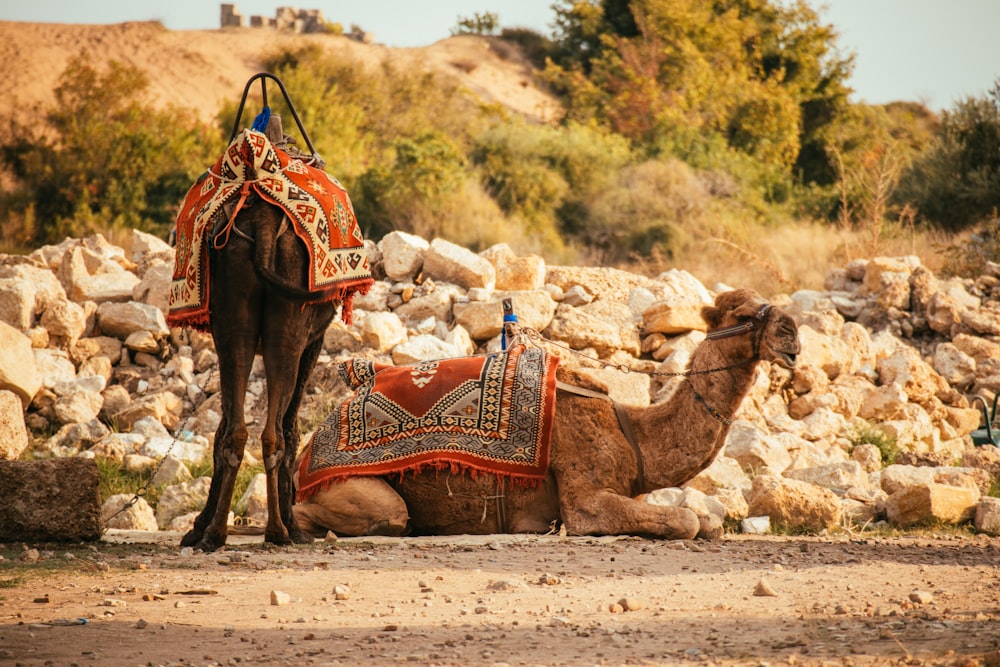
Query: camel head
753, 327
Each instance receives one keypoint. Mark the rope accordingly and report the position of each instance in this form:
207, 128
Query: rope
534, 336
261, 121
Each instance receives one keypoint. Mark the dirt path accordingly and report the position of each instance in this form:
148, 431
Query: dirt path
505, 600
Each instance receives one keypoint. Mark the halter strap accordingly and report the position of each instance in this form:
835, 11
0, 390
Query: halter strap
742, 327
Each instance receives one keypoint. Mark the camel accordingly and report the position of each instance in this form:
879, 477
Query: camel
259, 301
594, 474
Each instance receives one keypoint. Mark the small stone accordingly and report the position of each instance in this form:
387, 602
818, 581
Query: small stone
279, 598
114, 602
615, 608
921, 597
141, 624
549, 579
763, 589
29, 556
630, 604
341, 592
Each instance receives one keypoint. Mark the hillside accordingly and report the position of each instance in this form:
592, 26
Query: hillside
201, 69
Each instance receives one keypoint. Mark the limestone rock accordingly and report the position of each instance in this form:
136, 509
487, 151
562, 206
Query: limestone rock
838, 477
794, 505
580, 330
754, 450
483, 320
987, 519
424, 347
382, 331
673, 318
931, 502
402, 255
18, 372
137, 516
447, 262
50, 500
253, 503
181, 499
13, 433
17, 303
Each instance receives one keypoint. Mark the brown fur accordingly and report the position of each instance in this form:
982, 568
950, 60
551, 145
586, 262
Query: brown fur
592, 476
249, 313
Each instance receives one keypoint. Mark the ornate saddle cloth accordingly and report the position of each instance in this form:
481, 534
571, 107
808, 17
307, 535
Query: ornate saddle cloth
486, 414
316, 204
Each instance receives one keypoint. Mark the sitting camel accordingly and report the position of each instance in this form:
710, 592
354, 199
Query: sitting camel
595, 473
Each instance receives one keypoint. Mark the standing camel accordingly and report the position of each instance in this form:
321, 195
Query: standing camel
251, 309
277, 244
594, 472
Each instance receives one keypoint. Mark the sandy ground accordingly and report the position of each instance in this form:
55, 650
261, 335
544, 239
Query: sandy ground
507, 600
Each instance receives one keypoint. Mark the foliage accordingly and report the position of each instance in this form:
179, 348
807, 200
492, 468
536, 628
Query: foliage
663, 202
486, 23
404, 193
763, 75
547, 177
104, 158
956, 183
967, 254
115, 479
871, 435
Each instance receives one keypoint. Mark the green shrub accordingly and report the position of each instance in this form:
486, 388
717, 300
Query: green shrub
104, 158
868, 434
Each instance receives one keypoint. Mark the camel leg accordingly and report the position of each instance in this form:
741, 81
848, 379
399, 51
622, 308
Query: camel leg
607, 513
235, 359
287, 363
355, 507
290, 428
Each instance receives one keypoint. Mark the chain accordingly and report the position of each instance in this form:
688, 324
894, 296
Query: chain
144, 489
535, 337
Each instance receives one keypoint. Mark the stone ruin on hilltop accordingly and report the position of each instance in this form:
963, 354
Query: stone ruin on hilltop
286, 19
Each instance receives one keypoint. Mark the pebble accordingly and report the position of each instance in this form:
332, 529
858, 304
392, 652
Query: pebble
921, 597
630, 604
341, 592
279, 598
763, 589
29, 556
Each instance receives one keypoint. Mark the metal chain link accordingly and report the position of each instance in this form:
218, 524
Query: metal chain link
144, 489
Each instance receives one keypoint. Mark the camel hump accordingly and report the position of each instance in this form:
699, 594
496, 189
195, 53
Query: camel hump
576, 378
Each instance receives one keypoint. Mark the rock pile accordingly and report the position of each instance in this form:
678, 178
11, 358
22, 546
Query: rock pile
890, 356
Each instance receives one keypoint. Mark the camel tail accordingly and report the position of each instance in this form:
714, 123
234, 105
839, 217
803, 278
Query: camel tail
292, 284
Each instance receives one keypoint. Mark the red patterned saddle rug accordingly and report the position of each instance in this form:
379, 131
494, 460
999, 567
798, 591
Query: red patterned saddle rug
486, 414
316, 204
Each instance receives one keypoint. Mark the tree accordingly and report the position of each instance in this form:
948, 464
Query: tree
104, 158
956, 183
763, 75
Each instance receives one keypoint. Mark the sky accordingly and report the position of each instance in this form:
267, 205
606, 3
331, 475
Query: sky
928, 51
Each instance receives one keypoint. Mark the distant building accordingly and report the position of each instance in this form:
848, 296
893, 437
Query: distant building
288, 19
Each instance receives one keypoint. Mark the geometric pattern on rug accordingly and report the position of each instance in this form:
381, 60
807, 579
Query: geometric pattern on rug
484, 414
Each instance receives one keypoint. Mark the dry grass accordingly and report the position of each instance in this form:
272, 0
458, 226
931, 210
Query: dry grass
790, 257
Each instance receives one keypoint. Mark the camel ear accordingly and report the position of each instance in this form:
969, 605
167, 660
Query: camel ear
712, 315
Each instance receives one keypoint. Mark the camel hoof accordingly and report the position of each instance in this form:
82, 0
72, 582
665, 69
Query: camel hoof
209, 545
301, 537
281, 539
192, 537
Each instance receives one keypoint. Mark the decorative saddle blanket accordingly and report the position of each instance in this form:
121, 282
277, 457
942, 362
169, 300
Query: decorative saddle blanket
316, 204
485, 414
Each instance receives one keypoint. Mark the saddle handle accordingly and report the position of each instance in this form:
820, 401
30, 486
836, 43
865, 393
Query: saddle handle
263, 76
